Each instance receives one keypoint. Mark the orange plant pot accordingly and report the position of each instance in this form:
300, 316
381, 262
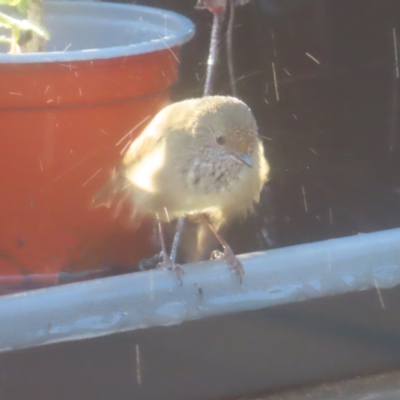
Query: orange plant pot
66, 120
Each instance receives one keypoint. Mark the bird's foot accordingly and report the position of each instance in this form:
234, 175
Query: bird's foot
167, 263
147, 264
229, 257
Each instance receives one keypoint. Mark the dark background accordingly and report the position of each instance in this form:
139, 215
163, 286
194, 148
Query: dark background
334, 131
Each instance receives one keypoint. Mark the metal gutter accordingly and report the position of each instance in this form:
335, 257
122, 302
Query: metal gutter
155, 298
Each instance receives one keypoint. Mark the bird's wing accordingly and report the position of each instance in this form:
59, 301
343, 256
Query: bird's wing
142, 146
148, 140
119, 186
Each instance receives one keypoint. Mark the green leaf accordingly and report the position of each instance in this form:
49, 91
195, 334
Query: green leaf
4, 39
23, 6
11, 3
16, 24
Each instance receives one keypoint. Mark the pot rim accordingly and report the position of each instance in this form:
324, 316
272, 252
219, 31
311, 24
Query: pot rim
180, 30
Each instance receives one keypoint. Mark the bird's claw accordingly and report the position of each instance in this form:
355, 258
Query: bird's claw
229, 257
175, 268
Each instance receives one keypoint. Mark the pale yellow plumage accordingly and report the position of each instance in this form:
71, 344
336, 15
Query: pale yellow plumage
178, 164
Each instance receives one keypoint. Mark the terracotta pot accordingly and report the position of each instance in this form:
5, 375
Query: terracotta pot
66, 118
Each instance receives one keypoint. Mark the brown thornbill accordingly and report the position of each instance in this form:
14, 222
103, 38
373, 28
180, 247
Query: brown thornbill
198, 158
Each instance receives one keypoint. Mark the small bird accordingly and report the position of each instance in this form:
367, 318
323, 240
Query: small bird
200, 158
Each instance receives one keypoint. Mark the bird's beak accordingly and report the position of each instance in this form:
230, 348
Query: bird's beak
245, 159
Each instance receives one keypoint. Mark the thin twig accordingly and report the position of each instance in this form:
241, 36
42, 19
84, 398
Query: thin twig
229, 47
213, 54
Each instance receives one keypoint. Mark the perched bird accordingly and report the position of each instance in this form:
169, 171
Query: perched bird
198, 157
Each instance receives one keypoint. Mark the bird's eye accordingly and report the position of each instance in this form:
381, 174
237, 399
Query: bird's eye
220, 139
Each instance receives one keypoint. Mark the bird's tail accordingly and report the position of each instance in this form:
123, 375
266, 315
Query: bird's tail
117, 194
111, 192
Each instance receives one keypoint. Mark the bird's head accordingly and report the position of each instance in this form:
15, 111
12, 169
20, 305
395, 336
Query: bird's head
228, 127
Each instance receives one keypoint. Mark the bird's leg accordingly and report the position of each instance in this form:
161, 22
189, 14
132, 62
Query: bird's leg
206, 241
228, 255
179, 228
166, 259
165, 256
